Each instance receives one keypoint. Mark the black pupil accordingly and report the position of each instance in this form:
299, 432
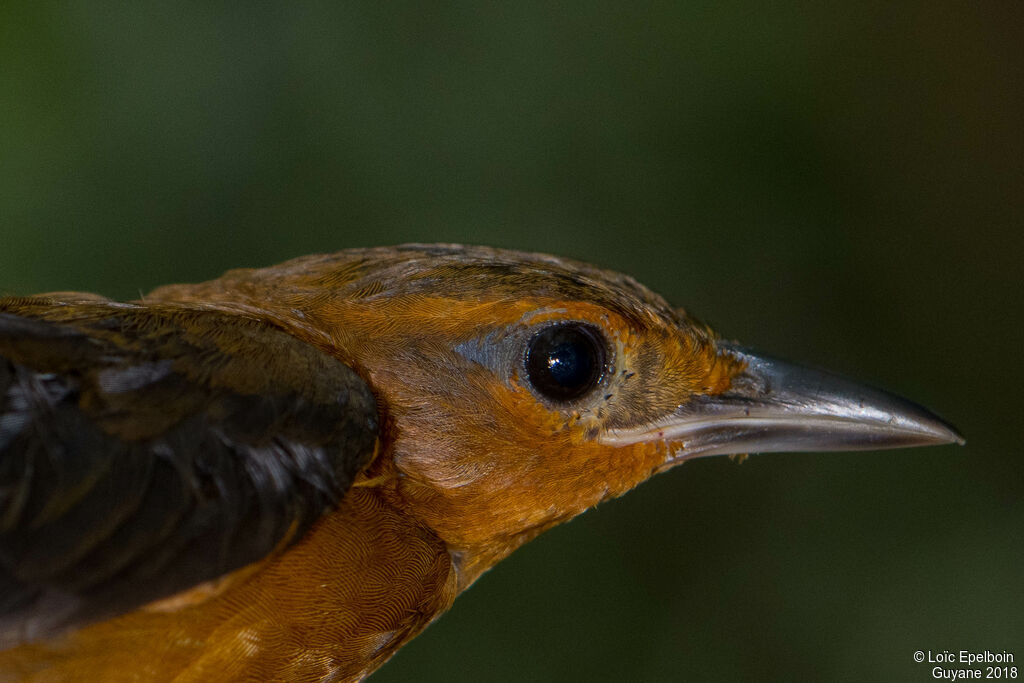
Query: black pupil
565, 361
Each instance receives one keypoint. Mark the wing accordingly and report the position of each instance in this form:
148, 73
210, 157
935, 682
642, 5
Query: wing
144, 450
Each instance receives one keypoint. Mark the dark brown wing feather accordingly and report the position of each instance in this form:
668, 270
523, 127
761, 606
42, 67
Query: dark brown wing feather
145, 450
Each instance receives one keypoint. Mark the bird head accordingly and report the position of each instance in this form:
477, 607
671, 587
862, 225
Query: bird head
517, 390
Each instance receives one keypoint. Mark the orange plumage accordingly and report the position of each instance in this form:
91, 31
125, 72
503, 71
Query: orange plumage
510, 392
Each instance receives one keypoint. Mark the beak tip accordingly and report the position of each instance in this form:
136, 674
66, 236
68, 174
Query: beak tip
932, 429
949, 434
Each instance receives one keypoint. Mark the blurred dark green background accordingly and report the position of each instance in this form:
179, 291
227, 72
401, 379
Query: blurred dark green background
841, 185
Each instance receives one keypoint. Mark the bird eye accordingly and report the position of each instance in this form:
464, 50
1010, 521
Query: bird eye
565, 361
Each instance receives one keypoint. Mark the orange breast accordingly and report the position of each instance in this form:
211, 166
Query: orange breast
364, 581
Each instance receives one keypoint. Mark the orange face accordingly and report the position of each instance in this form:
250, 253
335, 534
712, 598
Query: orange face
503, 421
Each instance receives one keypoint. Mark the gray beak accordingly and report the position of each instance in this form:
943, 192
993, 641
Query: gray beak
777, 406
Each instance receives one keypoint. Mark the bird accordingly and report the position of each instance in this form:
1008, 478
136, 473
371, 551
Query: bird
287, 473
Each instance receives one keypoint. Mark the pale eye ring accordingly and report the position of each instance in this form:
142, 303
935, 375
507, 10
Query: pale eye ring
566, 361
